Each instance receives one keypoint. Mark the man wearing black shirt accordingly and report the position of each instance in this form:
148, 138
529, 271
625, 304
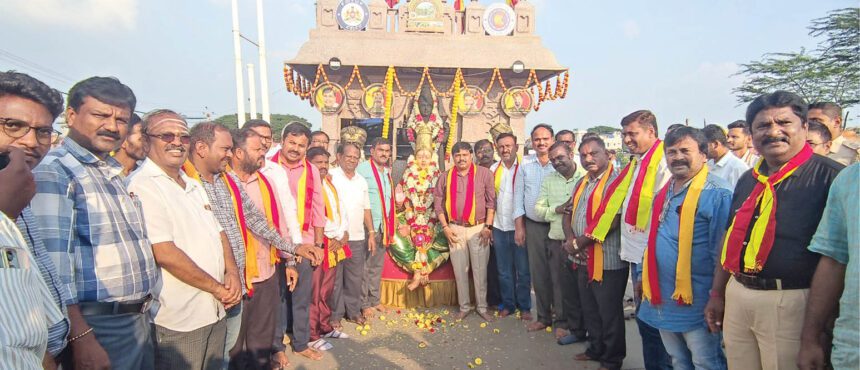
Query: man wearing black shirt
766, 268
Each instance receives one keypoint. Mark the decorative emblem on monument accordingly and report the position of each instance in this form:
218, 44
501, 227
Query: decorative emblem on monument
472, 101
499, 19
425, 16
329, 98
517, 101
352, 15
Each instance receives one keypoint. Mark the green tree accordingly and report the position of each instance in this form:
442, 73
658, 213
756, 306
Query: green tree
831, 72
603, 130
278, 121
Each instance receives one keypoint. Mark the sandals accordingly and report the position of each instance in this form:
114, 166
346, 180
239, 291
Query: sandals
320, 345
311, 354
336, 334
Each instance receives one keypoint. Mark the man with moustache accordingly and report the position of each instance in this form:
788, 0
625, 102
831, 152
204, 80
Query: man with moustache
765, 264
335, 249
353, 192
601, 274
739, 141
319, 139
305, 185
632, 195
131, 152
818, 138
464, 202
721, 163
199, 276
211, 149
687, 226
569, 138
512, 260
841, 150
109, 272
380, 189
260, 306
553, 204
531, 230
286, 279
484, 158
28, 108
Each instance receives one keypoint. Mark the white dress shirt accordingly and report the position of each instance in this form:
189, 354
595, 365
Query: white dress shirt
185, 218
278, 176
354, 198
504, 219
339, 223
633, 242
729, 168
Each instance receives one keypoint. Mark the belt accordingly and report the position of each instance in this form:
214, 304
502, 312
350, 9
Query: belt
760, 283
466, 224
114, 308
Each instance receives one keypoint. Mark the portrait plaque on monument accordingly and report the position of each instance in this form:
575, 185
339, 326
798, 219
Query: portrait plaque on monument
472, 101
352, 15
373, 100
517, 101
329, 98
425, 16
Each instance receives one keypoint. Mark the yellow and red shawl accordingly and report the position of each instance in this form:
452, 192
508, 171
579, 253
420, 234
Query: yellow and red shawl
468, 215
595, 254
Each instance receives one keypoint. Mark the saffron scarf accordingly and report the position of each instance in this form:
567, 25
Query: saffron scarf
640, 199
595, 254
451, 198
332, 212
304, 192
387, 212
683, 279
238, 211
273, 215
762, 197
497, 175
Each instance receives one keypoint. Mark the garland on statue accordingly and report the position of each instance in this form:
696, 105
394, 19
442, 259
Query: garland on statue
389, 87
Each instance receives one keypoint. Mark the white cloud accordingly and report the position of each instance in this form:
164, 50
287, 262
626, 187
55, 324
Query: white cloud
81, 14
631, 29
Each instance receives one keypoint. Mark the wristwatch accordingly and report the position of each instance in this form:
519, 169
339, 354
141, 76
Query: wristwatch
488, 227
319, 245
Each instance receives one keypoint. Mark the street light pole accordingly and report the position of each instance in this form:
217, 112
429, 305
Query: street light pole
253, 90
264, 81
237, 54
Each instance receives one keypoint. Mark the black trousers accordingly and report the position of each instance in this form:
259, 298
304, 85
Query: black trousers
494, 297
254, 347
603, 308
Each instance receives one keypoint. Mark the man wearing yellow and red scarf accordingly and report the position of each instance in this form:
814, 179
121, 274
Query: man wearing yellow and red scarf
305, 185
335, 251
211, 146
631, 195
464, 201
260, 307
766, 270
601, 274
380, 189
687, 226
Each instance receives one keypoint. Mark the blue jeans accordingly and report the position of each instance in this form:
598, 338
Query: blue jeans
234, 323
513, 266
696, 349
653, 351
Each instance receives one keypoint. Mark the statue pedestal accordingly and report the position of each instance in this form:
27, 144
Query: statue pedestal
441, 291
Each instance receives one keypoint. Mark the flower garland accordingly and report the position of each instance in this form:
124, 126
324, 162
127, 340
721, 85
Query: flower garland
389, 85
418, 185
455, 105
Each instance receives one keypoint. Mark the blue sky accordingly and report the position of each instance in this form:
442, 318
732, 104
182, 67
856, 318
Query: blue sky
673, 57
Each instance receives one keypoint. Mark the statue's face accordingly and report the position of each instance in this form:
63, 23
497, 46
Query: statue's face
425, 106
423, 158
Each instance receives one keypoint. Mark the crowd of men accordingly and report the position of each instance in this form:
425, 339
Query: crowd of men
141, 242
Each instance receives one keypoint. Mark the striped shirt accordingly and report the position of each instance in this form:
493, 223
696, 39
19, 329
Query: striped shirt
92, 227
555, 190
222, 207
27, 310
56, 333
527, 187
612, 243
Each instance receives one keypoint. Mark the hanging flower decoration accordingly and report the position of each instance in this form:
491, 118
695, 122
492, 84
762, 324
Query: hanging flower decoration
389, 85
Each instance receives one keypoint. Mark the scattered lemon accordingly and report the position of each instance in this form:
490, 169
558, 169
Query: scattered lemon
471, 366
549, 329
382, 318
366, 326
422, 345
483, 325
364, 332
445, 312
478, 361
358, 328
496, 331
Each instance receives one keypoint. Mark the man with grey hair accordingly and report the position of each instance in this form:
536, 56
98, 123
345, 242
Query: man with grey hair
199, 276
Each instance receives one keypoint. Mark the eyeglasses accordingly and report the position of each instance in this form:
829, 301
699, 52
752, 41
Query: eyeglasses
169, 138
17, 129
